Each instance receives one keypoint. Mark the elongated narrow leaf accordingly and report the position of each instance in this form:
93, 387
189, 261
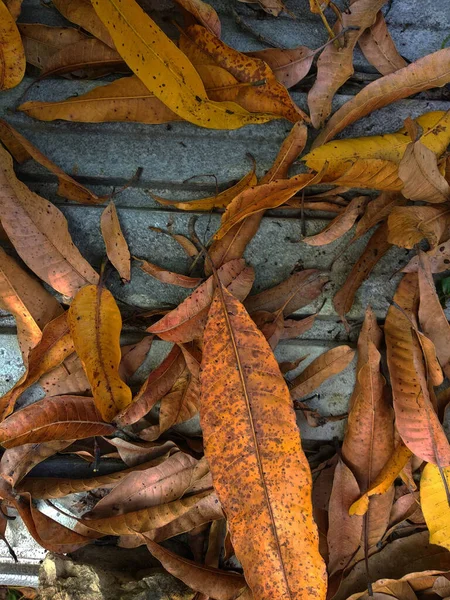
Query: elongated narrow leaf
371, 173
95, 324
294, 328
133, 355
245, 406
82, 13
377, 210
415, 417
434, 503
168, 276
165, 70
339, 225
41, 41
47, 247
116, 245
379, 48
427, 72
12, 55
53, 419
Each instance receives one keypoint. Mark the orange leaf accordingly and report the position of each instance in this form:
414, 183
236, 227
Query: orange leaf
288, 65
204, 13
12, 55
377, 210
41, 41
82, 13
116, 245
339, 225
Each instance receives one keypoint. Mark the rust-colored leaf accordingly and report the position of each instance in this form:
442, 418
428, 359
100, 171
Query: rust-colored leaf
12, 55
186, 322
53, 419
42, 41
379, 48
377, 210
339, 225
115, 242
166, 276
288, 65
324, 366
133, 356
40, 234
271, 478
415, 417
420, 174
204, 13
294, 328
82, 13
136, 453
270, 325
409, 225
427, 72
95, 324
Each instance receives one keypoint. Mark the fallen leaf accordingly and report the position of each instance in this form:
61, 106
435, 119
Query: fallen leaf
166, 276
415, 417
293, 328
281, 490
287, 366
165, 70
403, 588
335, 63
53, 419
133, 356
116, 245
204, 13
288, 65
379, 48
427, 72
270, 325
22, 150
82, 13
186, 322
136, 453
438, 258
95, 324
409, 225
208, 580
12, 55
377, 210
40, 234
42, 41
324, 366
14, 7
339, 225
273, 7
372, 173
295, 292
419, 171
61, 381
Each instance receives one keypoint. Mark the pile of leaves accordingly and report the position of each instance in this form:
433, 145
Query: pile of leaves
368, 519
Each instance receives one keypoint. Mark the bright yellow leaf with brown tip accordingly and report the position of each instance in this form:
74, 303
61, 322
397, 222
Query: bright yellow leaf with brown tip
95, 323
435, 504
165, 69
12, 54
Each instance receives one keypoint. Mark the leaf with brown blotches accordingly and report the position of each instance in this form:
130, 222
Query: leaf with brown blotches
53, 419
22, 150
115, 242
420, 174
339, 225
82, 13
186, 322
335, 63
415, 417
166, 276
379, 48
427, 72
324, 366
295, 292
204, 13
288, 65
377, 210
409, 225
256, 432
12, 55
42, 41
68, 378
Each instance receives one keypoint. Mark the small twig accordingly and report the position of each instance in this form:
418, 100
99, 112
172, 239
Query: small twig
130, 182
240, 22
10, 549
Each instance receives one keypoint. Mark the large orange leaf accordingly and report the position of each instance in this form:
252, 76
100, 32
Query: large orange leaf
415, 417
254, 451
12, 55
95, 324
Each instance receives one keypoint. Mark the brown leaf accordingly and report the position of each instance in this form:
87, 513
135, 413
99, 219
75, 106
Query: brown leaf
12, 55
133, 356
42, 41
299, 290
136, 453
324, 366
201, 578
377, 210
22, 150
288, 65
419, 171
83, 14
273, 7
335, 64
270, 325
427, 72
64, 380
204, 13
14, 7
116, 245
409, 225
339, 225
166, 276
376, 248
293, 328
415, 417
186, 322
53, 419
379, 48
40, 234
438, 258
237, 366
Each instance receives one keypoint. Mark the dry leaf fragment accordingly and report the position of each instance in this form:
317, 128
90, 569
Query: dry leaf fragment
288, 65
95, 324
409, 225
12, 55
438, 258
377, 210
434, 503
372, 173
83, 14
168, 276
271, 479
273, 7
204, 13
116, 245
14, 7
419, 171
293, 328
42, 41
379, 48
339, 225
133, 355
53, 419
63, 380
427, 72
270, 325
324, 366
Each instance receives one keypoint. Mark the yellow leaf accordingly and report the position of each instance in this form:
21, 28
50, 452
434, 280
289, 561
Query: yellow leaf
435, 504
165, 70
95, 323
12, 54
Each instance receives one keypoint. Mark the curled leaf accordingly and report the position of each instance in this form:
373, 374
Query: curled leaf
409, 225
339, 225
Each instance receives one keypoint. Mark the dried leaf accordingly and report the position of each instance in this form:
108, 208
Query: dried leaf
53, 419
12, 55
83, 14
299, 290
415, 417
288, 65
204, 13
116, 245
14, 7
377, 210
324, 366
339, 225
42, 41
438, 258
293, 328
427, 72
273, 7
372, 173
379, 48
270, 325
61, 381
95, 324
335, 64
135, 453
165, 70
419, 171
166, 276
278, 483
133, 356
409, 225
186, 322
435, 504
